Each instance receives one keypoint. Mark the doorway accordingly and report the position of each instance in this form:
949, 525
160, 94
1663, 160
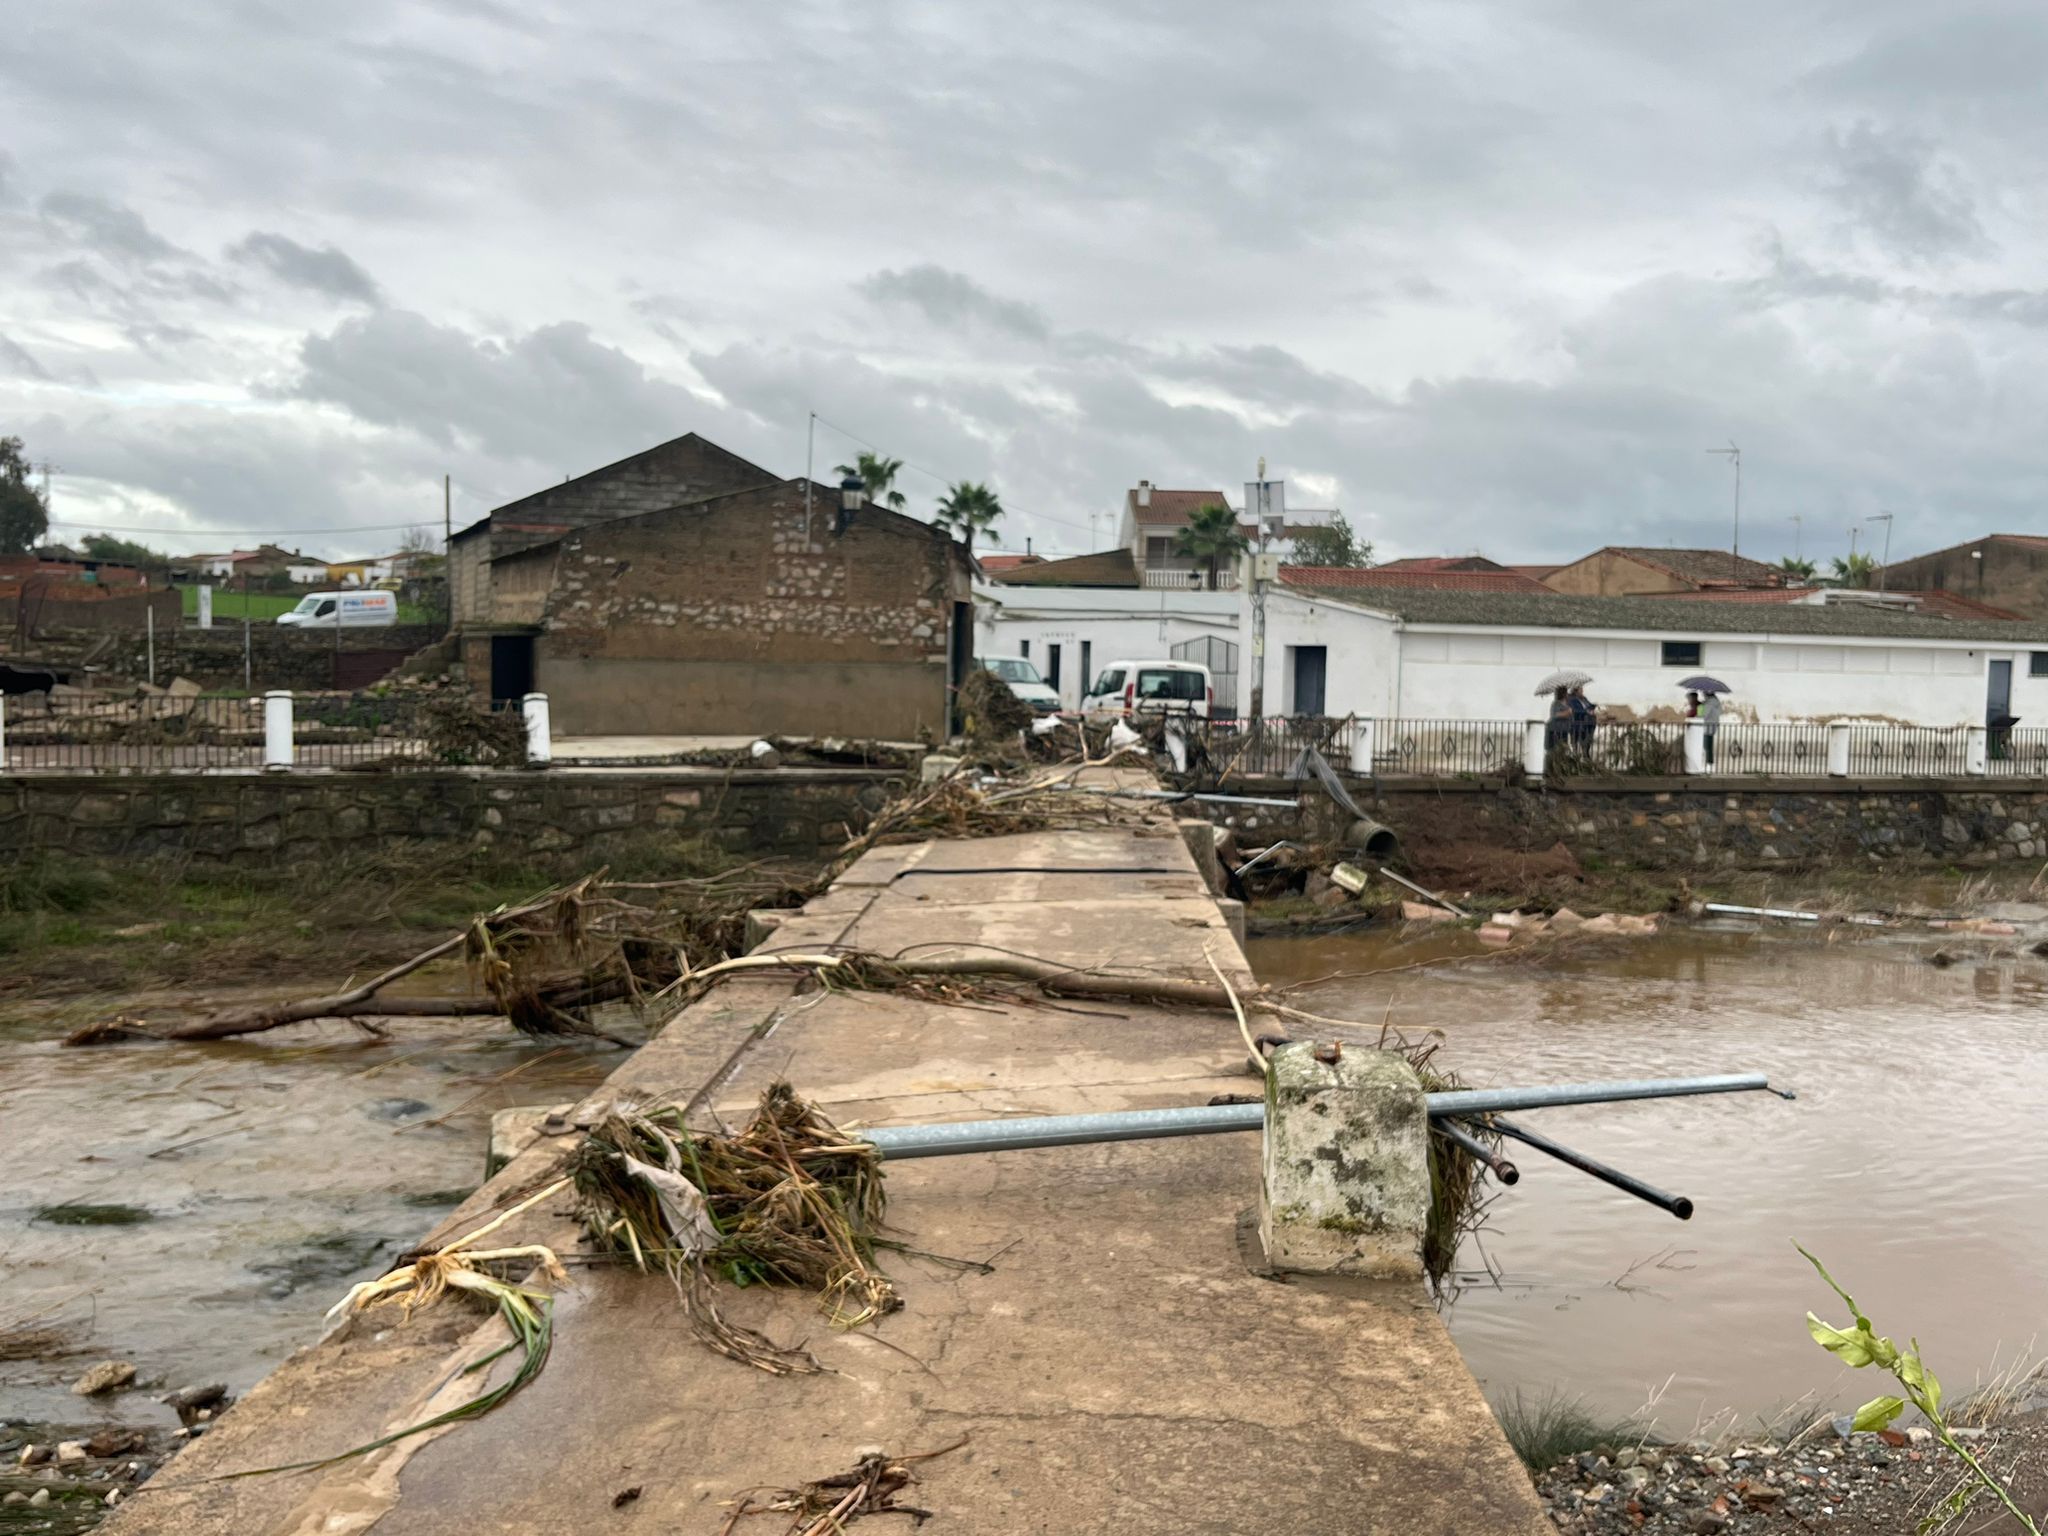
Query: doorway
511, 667
1052, 666
960, 661
1998, 694
1311, 664
1087, 666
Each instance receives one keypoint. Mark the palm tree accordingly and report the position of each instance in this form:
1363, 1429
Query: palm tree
878, 475
1855, 571
1801, 571
969, 508
1211, 536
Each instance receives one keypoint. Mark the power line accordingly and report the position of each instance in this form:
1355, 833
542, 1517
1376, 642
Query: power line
245, 533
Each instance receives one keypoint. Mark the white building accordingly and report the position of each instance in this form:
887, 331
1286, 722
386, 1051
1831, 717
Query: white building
1478, 655
1153, 517
1072, 617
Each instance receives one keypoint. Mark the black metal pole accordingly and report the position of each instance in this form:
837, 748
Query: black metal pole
1677, 1205
1479, 1151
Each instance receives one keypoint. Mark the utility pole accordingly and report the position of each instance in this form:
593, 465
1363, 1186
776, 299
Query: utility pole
1797, 531
810, 444
1733, 455
447, 547
1884, 565
1259, 616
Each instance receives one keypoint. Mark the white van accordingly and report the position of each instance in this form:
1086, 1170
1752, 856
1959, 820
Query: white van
1151, 687
1024, 681
343, 610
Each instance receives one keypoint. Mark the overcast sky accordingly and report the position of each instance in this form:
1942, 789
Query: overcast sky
1486, 275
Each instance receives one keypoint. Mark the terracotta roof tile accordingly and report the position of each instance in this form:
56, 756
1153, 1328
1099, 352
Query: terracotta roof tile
1380, 578
1173, 507
1109, 568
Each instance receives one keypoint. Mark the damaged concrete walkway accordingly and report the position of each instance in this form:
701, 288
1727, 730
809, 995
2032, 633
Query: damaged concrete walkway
1112, 1359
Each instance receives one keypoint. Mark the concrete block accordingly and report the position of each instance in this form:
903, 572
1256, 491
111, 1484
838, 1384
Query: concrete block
761, 925
936, 766
1200, 836
1346, 1168
514, 1130
1233, 914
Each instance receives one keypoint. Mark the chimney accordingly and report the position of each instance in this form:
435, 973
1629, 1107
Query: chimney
1144, 493
1027, 546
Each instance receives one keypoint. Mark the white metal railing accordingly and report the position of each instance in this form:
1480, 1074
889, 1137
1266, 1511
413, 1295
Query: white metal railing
1157, 578
227, 733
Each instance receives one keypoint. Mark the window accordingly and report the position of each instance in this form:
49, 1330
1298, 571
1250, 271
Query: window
2037, 663
1111, 681
1013, 669
1681, 653
1184, 686
1024, 649
1086, 647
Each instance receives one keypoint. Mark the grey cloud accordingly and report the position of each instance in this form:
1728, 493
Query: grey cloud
554, 393
1898, 191
111, 229
327, 270
955, 300
18, 360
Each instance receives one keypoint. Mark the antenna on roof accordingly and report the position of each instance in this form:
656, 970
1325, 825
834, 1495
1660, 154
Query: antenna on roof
1733, 455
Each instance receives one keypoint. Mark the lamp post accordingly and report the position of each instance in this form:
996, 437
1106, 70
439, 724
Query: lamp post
853, 495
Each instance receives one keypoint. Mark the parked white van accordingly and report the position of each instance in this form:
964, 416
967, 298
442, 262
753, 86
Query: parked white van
1024, 681
1151, 687
343, 610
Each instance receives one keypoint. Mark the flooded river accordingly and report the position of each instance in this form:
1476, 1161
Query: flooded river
1912, 1163
195, 1208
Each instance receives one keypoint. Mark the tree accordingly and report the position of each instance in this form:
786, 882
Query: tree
23, 517
1211, 536
879, 476
1798, 570
969, 508
1333, 544
1855, 571
104, 546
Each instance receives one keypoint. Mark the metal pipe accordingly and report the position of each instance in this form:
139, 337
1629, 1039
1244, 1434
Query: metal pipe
1259, 858
1487, 1101
951, 1138
1174, 794
1479, 1151
1677, 1205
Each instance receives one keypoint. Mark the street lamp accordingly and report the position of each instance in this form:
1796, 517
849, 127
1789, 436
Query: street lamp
853, 495
1884, 566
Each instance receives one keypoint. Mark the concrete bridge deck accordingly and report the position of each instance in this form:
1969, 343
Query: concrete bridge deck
1118, 1367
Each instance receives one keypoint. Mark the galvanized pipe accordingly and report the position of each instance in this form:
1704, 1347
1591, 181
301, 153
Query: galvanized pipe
1677, 1205
1479, 1151
951, 1138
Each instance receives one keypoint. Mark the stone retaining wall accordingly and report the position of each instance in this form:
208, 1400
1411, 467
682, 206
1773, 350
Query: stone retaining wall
271, 818
1694, 823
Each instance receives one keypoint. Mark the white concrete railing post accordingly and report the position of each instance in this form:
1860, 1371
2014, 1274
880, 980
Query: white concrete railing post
540, 749
1838, 749
1361, 749
277, 728
1976, 750
1695, 746
1533, 735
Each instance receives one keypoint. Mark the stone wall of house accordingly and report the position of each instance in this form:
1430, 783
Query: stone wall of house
272, 818
748, 614
1683, 824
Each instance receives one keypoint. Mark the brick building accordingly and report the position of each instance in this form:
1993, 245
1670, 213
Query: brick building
1631, 571
2007, 570
684, 469
740, 613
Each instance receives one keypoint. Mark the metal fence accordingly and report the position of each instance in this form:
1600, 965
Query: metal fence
358, 731
1794, 750
2017, 752
1274, 748
1446, 748
1614, 749
56, 733
1906, 751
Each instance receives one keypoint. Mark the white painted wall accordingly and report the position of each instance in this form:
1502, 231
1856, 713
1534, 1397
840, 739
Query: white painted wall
1484, 672
1116, 623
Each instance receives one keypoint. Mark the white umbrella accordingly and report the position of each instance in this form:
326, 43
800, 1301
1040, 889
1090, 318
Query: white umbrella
1565, 679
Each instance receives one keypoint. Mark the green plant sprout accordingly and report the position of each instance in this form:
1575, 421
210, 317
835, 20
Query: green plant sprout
1861, 1346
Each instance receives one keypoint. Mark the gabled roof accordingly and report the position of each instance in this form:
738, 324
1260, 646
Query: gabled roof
1385, 579
1173, 508
512, 510
1442, 563
1109, 568
2025, 540
1556, 610
1943, 604
1694, 564
994, 563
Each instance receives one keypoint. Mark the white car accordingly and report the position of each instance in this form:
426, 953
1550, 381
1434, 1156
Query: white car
1024, 681
1127, 688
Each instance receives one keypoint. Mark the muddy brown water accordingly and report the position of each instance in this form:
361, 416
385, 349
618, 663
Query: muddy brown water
275, 1172
1912, 1163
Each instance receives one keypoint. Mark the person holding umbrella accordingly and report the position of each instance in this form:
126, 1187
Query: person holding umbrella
1561, 728
1708, 711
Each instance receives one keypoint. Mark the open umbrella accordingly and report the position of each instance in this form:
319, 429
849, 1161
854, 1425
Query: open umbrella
1565, 679
1704, 684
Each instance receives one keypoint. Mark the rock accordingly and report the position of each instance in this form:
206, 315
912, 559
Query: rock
1422, 912
113, 1497
1761, 1495
35, 1455
107, 1376
1707, 1521
1632, 1478
1332, 897
114, 1442
1494, 933
1892, 1437
70, 1453
16, 1497
39, 1499
1919, 1434
187, 1402
764, 755
1316, 884
1605, 923
1565, 920
396, 1109
1718, 1465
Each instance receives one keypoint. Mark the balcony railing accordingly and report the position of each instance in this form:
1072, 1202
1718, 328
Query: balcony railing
1165, 579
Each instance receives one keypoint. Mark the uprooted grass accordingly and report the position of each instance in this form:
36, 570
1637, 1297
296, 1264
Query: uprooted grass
1457, 1197
788, 1200
1552, 1428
